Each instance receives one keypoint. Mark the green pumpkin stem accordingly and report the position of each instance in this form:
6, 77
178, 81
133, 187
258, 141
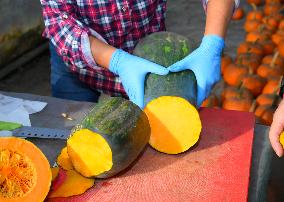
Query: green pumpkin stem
253, 106
275, 56
253, 7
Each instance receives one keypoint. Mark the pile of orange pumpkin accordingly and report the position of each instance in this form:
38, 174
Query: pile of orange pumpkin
252, 79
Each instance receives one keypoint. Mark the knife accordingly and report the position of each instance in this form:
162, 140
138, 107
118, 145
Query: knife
37, 132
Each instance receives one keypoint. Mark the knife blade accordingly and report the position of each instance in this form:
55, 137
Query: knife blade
37, 132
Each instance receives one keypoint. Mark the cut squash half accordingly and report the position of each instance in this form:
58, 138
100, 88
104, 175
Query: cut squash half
25, 173
175, 124
89, 152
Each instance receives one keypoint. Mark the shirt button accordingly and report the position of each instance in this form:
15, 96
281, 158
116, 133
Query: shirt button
64, 53
123, 9
65, 16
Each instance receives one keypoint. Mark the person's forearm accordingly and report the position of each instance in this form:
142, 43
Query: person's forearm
219, 13
101, 52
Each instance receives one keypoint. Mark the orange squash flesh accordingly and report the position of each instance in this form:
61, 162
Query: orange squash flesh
175, 124
54, 172
73, 184
89, 164
58, 181
64, 161
25, 173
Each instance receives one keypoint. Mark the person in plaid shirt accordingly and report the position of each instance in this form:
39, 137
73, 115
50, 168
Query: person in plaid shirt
91, 42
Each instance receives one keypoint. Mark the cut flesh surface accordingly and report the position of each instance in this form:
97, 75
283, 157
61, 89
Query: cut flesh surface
89, 152
175, 124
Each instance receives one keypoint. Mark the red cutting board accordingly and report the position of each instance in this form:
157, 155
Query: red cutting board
217, 169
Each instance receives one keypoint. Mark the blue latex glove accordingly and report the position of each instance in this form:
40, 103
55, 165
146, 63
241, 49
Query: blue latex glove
205, 62
132, 71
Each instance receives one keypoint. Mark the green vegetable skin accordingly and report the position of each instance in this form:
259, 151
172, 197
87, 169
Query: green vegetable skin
166, 48
9, 125
124, 126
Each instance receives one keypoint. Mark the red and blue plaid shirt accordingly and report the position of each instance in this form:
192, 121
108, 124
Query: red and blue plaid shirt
120, 23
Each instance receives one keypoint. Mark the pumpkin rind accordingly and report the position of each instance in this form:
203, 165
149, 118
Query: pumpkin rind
125, 128
26, 154
166, 48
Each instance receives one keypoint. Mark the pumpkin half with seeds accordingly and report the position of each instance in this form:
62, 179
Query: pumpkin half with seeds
25, 173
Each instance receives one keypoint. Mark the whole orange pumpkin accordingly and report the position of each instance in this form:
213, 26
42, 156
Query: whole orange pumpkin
280, 48
225, 61
250, 60
238, 104
249, 47
254, 83
238, 14
232, 92
234, 73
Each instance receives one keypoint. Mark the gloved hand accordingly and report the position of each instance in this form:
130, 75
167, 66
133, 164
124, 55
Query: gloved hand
205, 62
132, 71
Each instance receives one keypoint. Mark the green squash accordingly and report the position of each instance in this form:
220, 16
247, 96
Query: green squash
109, 138
170, 101
166, 48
